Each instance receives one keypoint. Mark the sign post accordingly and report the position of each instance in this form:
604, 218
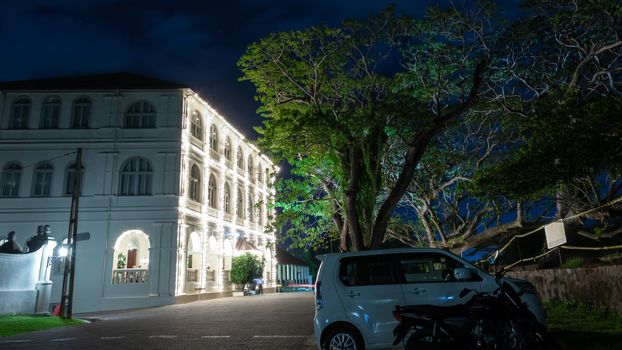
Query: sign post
555, 237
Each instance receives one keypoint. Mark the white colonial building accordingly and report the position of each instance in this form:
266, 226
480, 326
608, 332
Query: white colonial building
168, 186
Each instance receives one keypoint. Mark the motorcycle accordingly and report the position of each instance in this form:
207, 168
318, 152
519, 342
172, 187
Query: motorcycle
487, 321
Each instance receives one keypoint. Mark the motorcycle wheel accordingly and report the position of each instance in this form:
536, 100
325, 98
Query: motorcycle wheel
423, 340
482, 336
513, 337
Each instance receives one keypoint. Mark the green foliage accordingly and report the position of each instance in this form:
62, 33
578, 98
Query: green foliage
565, 141
322, 98
305, 209
336, 109
573, 262
246, 267
13, 325
121, 261
579, 326
565, 59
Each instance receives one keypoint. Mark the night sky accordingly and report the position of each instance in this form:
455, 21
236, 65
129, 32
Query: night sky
192, 42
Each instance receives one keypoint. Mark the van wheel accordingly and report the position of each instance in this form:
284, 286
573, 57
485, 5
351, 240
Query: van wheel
342, 339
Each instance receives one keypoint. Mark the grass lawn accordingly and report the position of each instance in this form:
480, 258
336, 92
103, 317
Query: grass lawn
12, 325
581, 327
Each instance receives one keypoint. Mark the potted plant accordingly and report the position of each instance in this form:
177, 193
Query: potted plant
121, 261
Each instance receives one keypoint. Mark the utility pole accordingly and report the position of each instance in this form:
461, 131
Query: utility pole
66, 302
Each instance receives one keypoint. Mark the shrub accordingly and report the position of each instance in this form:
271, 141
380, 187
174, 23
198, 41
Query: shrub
246, 267
574, 262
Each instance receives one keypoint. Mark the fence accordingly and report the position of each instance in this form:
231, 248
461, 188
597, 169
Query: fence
130, 276
599, 286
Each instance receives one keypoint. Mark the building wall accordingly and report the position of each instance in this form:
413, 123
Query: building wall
168, 217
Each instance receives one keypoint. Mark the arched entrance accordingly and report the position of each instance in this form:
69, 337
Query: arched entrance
193, 261
130, 263
212, 262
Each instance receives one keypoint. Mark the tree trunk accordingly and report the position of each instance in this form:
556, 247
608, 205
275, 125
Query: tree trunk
343, 238
413, 155
416, 148
428, 229
351, 199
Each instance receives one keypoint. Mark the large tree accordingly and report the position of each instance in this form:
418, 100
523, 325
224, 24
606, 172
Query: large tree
565, 66
335, 100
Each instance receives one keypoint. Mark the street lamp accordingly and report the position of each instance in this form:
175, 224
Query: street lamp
62, 251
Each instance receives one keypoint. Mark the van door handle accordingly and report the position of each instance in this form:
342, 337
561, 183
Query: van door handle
352, 294
417, 291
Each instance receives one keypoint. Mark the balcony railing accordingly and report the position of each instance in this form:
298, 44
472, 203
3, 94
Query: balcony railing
130, 276
192, 275
210, 275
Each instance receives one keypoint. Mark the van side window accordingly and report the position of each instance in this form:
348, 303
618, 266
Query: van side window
367, 270
428, 267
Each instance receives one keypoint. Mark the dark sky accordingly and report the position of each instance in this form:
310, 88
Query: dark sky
192, 42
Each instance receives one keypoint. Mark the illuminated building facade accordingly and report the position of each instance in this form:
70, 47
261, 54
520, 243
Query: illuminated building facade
168, 186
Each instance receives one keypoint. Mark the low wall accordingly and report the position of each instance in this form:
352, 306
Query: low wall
20, 271
24, 283
599, 286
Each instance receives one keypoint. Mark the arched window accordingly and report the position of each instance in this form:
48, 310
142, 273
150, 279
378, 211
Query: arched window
240, 158
130, 262
9, 181
196, 128
240, 204
20, 113
70, 177
250, 208
260, 213
195, 183
259, 173
42, 180
211, 192
193, 255
81, 113
50, 113
227, 148
227, 198
213, 138
135, 178
140, 115
249, 166
267, 173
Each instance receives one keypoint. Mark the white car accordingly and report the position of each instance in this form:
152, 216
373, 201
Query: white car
356, 292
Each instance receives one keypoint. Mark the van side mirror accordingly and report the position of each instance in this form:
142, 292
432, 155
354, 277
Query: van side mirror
463, 274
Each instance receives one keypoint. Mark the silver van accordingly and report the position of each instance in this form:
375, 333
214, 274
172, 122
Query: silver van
356, 292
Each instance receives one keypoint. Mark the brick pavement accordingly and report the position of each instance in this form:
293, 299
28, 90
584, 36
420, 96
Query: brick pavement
270, 321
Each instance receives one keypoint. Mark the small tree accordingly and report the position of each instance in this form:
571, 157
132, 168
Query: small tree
246, 267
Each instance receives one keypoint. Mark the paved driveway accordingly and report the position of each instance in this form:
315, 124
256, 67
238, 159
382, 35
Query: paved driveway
270, 321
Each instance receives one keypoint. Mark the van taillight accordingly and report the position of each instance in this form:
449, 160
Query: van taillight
318, 296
